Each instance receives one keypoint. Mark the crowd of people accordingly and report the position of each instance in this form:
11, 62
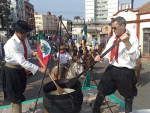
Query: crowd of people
119, 75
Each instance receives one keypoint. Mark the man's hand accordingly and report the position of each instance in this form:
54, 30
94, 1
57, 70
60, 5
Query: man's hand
44, 70
97, 58
125, 37
34, 54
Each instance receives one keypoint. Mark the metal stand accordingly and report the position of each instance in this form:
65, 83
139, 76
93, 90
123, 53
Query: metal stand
33, 109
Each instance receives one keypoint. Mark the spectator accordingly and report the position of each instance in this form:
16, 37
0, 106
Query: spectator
64, 59
95, 44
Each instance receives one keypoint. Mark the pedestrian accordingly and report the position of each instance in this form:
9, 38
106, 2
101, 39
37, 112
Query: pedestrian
80, 49
17, 50
120, 74
83, 40
64, 59
95, 44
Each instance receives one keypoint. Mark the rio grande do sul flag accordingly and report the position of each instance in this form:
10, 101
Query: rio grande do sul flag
43, 49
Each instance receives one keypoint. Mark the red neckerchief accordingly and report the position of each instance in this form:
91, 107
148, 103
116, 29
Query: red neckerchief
25, 49
25, 53
114, 51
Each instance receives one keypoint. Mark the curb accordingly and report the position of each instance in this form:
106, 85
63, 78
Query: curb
112, 97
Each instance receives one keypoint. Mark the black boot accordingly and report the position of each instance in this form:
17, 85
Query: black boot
98, 102
128, 105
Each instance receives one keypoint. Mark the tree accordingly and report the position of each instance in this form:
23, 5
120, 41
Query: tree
4, 13
76, 17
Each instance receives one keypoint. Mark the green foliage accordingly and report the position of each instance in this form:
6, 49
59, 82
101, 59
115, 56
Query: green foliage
4, 13
76, 17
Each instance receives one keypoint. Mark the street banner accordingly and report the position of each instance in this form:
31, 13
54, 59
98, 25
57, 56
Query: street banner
43, 49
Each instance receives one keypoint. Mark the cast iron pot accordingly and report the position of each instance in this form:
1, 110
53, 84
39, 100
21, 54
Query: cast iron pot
66, 103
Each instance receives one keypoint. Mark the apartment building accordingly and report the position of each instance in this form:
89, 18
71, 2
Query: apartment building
89, 10
67, 26
100, 10
94, 30
46, 23
29, 15
17, 10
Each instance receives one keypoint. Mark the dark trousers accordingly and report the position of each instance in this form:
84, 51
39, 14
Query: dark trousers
14, 84
100, 98
121, 79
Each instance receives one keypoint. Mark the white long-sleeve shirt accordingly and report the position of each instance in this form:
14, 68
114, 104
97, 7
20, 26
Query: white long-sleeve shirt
14, 53
125, 58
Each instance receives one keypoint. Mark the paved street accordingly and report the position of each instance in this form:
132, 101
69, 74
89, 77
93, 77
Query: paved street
142, 101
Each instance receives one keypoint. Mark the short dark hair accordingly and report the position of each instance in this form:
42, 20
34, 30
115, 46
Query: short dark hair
120, 20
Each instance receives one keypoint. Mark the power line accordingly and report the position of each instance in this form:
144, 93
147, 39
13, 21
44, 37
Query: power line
60, 12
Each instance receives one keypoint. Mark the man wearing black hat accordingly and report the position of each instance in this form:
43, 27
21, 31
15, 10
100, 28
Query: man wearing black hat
17, 50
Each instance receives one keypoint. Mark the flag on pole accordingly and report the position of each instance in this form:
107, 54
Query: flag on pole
84, 34
43, 49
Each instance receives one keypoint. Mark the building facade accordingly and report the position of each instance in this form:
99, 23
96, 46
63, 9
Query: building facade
94, 30
125, 6
138, 22
29, 16
46, 23
17, 10
89, 10
66, 27
100, 10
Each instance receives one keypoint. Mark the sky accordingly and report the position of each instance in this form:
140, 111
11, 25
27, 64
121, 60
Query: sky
70, 8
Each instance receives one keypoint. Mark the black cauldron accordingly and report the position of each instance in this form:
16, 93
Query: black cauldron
67, 103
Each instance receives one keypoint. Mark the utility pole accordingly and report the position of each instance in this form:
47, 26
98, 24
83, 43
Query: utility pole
132, 2
118, 5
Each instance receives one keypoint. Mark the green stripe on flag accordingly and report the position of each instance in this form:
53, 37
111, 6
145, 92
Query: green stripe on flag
40, 37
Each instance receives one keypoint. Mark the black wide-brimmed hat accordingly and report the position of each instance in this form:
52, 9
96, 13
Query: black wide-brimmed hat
21, 26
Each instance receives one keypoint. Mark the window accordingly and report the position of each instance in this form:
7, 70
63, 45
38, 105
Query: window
146, 40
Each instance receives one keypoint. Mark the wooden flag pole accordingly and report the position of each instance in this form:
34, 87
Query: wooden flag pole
59, 89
